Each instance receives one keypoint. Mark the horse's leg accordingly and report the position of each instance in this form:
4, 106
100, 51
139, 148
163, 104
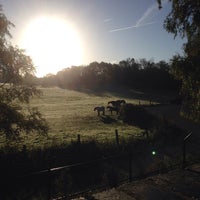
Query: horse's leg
98, 112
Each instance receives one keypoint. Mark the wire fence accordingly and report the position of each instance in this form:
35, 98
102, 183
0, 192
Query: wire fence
68, 181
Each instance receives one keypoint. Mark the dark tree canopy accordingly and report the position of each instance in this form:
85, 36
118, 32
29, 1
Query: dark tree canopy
15, 67
130, 73
184, 20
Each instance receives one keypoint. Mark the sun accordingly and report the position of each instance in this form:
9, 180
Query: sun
52, 44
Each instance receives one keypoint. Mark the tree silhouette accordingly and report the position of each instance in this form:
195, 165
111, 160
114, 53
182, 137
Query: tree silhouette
184, 20
142, 74
15, 67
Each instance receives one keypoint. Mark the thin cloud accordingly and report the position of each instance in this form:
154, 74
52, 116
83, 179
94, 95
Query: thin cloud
131, 27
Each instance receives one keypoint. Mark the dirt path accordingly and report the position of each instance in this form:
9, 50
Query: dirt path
171, 113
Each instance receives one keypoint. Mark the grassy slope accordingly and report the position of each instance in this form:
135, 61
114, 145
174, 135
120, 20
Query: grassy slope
69, 113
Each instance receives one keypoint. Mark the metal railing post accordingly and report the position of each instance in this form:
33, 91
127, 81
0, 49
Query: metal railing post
184, 150
49, 184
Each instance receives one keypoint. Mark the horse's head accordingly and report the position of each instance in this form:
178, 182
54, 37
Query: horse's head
123, 101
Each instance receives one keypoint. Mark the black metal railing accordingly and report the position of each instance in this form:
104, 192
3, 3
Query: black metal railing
70, 180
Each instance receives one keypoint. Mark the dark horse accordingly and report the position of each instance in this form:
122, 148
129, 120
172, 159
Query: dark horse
117, 103
111, 109
122, 101
100, 109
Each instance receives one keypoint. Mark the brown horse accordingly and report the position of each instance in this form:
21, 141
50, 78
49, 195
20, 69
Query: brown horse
117, 103
113, 103
121, 101
111, 109
100, 109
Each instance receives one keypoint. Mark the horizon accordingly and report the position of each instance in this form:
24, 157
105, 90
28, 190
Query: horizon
61, 34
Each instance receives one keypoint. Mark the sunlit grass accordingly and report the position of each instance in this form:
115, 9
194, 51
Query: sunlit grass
70, 113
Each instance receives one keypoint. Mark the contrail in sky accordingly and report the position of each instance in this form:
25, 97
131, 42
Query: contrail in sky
140, 22
150, 10
130, 27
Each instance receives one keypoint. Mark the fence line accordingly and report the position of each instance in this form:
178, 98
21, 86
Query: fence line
128, 154
129, 179
76, 164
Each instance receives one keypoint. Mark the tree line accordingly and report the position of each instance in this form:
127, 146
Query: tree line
17, 73
138, 74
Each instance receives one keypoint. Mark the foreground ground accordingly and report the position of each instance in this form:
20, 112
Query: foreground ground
175, 185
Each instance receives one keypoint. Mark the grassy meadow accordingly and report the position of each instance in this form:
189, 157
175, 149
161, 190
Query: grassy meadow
70, 113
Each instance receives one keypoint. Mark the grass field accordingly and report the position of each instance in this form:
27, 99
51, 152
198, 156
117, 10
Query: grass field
70, 113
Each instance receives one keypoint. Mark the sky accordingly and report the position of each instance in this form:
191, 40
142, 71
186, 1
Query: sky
97, 30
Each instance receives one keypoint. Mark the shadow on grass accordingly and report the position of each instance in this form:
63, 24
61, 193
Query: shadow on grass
160, 96
107, 119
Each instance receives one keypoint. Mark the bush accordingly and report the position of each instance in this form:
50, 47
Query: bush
137, 115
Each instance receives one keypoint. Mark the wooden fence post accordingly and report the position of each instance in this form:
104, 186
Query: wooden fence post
117, 137
79, 139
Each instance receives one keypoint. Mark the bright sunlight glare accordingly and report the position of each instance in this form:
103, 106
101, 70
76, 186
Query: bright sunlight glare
52, 44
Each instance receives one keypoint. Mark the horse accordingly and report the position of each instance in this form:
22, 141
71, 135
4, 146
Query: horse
100, 109
111, 109
117, 103
121, 101
114, 103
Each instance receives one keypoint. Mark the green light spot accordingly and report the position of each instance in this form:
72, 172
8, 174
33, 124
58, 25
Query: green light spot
153, 153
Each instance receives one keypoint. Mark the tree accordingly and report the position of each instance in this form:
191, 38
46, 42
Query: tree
15, 67
184, 20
